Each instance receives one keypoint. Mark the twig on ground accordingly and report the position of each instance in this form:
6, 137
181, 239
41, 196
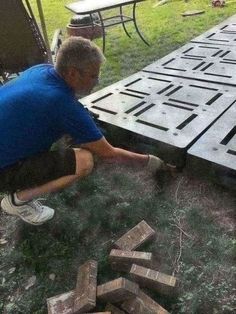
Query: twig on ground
177, 259
184, 232
177, 190
177, 223
108, 241
162, 2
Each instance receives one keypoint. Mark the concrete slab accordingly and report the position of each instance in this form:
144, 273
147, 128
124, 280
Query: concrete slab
153, 279
123, 260
62, 303
86, 287
142, 304
117, 290
135, 237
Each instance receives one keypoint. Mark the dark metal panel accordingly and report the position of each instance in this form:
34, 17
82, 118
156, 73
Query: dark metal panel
173, 101
218, 144
163, 110
199, 62
222, 34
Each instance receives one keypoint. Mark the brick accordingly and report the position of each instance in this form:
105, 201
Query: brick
135, 237
156, 280
123, 260
113, 309
142, 304
117, 290
61, 303
86, 287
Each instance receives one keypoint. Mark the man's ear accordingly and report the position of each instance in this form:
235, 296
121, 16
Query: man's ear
73, 72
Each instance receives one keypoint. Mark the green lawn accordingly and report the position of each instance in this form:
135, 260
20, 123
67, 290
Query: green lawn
163, 27
93, 213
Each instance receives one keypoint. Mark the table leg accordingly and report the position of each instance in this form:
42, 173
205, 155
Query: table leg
91, 18
103, 31
136, 26
123, 24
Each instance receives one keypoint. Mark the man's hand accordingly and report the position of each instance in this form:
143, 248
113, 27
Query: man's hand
111, 154
156, 164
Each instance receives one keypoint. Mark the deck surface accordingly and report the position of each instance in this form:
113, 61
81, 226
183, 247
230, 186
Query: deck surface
181, 99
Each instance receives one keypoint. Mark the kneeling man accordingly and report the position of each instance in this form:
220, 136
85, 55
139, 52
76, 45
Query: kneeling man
38, 108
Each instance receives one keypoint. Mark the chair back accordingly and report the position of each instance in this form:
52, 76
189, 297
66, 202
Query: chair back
21, 43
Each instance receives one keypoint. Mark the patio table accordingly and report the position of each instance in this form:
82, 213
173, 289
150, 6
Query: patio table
91, 6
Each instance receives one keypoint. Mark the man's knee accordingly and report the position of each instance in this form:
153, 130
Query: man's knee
84, 162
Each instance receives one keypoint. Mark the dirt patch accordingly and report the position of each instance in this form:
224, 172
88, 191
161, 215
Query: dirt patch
220, 203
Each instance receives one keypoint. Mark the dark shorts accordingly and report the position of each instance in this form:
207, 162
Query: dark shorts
38, 170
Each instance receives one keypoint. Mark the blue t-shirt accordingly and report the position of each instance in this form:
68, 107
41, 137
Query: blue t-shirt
36, 109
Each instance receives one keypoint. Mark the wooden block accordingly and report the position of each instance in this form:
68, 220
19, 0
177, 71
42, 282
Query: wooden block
117, 290
61, 303
123, 260
86, 287
193, 12
135, 237
142, 304
113, 309
147, 277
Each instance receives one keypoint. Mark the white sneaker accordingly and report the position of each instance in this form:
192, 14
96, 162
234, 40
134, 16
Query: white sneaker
32, 212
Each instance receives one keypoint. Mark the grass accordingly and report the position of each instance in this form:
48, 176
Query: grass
90, 216
93, 213
163, 27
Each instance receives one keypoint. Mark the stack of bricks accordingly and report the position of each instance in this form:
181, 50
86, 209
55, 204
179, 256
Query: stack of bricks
122, 295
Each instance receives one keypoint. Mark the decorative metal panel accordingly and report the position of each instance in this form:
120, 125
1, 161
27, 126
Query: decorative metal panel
222, 34
199, 62
218, 144
179, 97
160, 109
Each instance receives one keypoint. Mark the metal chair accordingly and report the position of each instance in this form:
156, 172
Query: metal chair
21, 42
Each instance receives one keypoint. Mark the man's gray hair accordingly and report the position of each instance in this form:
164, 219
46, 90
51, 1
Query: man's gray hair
78, 52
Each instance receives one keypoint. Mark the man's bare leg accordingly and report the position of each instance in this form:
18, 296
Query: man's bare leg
84, 165
33, 212
52, 186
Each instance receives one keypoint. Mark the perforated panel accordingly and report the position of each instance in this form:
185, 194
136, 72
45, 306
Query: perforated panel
160, 109
222, 34
218, 144
198, 62
176, 99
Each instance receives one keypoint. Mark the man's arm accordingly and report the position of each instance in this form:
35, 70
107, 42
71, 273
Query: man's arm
103, 149
106, 151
